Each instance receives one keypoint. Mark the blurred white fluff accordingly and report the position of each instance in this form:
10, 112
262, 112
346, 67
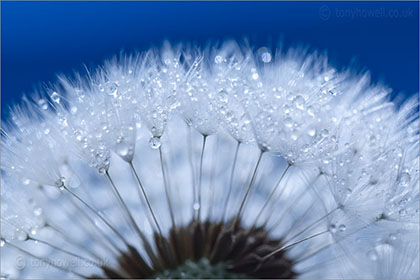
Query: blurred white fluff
353, 158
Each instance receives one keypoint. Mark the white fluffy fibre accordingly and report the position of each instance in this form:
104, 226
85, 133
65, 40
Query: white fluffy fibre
338, 166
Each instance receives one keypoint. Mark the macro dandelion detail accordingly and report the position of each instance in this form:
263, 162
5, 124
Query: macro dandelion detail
220, 162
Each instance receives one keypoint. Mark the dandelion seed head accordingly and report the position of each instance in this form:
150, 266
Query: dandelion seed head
217, 162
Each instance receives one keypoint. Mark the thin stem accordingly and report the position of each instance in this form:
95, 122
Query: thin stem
145, 196
48, 261
190, 157
292, 244
296, 222
74, 242
314, 223
251, 183
127, 211
272, 193
212, 174
200, 176
293, 204
114, 248
65, 251
235, 158
167, 187
99, 215
122, 203
328, 245
83, 225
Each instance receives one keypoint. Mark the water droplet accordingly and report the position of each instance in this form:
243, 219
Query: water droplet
218, 59
112, 89
38, 211
196, 206
255, 76
299, 102
173, 102
306, 148
399, 152
122, 149
155, 142
342, 228
60, 182
311, 111
2, 243
125, 150
404, 179
324, 133
43, 104
55, 97
26, 181
393, 236
333, 228
286, 109
264, 54
73, 110
288, 122
102, 169
372, 255
311, 132
78, 135
333, 91
21, 235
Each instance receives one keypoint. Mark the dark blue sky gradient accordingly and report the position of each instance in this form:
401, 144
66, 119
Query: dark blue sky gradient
42, 39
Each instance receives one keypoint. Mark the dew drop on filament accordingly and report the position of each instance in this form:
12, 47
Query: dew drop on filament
218, 59
404, 179
155, 142
124, 150
43, 104
38, 211
21, 235
299, 102
324, 133
288, 122
112, 89
333, 228
73, 110
311, 132
55, 97
393, 236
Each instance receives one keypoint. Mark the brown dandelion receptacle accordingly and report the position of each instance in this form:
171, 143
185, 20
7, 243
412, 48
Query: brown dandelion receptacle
207, 249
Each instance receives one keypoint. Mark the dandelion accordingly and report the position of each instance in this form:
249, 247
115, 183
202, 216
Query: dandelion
214, 163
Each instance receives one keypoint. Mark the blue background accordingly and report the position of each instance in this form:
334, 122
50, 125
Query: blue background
42, 39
